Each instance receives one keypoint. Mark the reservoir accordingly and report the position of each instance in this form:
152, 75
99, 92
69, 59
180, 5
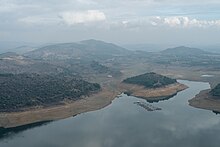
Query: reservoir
125, 124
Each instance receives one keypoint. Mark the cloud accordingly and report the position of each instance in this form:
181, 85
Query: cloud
173, 21
72, 18
69, 18
183, 21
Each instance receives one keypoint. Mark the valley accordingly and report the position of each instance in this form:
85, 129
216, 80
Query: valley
100, 71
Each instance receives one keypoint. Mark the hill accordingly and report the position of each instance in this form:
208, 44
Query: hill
150, 80
188, 57
87, 49
28, 90
18, 64
183, 51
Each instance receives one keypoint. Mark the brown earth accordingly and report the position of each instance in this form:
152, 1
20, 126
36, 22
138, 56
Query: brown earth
206, 101
94, 102
152, 93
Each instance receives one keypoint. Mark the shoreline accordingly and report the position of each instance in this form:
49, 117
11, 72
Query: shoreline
153, 94
204, 100
92, 103
87, 104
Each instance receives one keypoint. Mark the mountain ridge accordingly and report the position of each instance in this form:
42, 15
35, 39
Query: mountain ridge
76, 50
183, 50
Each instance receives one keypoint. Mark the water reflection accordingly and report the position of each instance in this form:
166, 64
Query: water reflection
161, 99
151, 100
8, 132
127, 125
216, 112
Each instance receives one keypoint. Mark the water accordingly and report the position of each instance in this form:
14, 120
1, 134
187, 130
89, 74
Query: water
125, 124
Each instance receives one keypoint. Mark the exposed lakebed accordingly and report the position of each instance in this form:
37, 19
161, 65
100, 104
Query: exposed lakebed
124, 123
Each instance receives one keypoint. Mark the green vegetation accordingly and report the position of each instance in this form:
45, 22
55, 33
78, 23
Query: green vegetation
150, 80
27, 90
99, 67
216, 91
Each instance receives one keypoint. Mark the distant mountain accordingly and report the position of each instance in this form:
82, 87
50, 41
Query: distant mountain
8, 55
18, 47
182, 50
146, 47
89, 49
214, 48
23, 49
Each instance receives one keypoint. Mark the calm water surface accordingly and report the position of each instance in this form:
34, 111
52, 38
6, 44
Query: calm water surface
124, 124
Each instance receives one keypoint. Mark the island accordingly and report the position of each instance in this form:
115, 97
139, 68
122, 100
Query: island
207, 99
151, 86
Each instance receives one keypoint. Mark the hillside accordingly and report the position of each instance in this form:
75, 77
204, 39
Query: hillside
8, 55
182, 51
87, 49
27, 90
187, 57
216, 91
13, 63
150, 80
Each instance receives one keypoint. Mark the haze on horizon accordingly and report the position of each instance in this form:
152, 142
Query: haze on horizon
117, 21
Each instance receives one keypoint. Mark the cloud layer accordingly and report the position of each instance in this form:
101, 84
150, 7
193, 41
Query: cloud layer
128, 19
184, 21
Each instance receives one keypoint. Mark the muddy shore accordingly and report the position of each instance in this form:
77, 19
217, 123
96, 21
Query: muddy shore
206, 101
94, 102
153, 93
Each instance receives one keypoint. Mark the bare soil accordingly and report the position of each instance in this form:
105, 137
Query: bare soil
152, 93
206, 101
111, 89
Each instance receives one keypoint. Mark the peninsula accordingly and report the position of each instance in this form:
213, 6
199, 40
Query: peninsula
151, 86
207, 99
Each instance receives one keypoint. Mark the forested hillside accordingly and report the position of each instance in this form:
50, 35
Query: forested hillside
216, 91
27, 90
150, 80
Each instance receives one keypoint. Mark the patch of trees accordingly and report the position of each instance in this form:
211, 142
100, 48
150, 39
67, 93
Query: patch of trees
216, 91
27, 90
99, 67
150, 80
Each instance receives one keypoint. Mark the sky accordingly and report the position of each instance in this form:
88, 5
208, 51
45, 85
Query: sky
118, 21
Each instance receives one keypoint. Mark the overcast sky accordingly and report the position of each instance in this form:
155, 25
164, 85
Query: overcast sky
119, 21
